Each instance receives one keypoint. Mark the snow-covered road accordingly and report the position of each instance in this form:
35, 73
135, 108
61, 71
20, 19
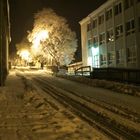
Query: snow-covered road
26, 114
115, 98
120, 112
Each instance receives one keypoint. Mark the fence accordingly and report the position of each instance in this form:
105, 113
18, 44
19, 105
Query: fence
117, 74
85, 70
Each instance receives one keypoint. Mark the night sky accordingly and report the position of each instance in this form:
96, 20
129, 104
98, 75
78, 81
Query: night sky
22, 15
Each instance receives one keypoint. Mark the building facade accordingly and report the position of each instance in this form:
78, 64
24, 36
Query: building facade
4, 39
110, 35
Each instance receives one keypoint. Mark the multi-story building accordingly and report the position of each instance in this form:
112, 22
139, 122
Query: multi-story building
4, 39
110, 35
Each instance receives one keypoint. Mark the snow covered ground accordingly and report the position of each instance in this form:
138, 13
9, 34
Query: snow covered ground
111, 85
26, 114
117, 108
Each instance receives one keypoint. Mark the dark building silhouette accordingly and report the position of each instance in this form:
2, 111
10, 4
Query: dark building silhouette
4, 39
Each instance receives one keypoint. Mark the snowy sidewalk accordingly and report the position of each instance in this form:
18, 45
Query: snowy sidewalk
12, 112
26, 115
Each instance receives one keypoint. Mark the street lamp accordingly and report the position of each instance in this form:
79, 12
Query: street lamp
25, 54
38, 37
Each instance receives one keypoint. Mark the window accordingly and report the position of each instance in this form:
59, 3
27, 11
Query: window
101, 19
130, 27
119, 56
88, 26
103, 59
109, 14
96, 61
119, 31
102, 38
118, 8
110, 35
131, 54
95, 41
128, 3
111, 57
89, 42
94, 25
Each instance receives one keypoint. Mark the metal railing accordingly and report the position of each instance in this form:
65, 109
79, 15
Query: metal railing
84, 70
117, 74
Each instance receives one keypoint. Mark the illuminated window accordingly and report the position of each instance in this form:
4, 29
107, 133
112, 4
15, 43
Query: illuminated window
130, 27
110, 35
103, 59
119, 31
96, 61
109, 14
89, 42
119, 56
101, 19
95, 56
128, 3
118, 8
90, 61
102, 38
111, 57
95, 41
131, 54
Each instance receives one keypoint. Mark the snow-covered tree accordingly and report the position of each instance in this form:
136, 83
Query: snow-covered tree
51, 36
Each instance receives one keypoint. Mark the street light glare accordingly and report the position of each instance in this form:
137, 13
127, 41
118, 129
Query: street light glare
25, 54
42, 35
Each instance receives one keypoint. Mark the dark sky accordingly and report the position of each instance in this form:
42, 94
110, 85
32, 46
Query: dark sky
22, 15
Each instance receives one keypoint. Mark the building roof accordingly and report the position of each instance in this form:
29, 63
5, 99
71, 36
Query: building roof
97, 11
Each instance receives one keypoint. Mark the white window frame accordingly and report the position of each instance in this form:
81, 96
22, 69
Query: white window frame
131, 54
117, 7
118, 29
112, 58
90, 42
101, 19
110, 37
103, 40
119, 59
109, 14
131, 30
94, 23
103, 59
95, 43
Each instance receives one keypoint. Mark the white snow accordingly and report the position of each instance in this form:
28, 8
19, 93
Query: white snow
25, 114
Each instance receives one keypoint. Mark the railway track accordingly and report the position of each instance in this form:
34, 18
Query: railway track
103, 123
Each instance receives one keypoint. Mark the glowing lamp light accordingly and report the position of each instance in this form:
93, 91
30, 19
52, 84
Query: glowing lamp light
42, 35
25, 54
